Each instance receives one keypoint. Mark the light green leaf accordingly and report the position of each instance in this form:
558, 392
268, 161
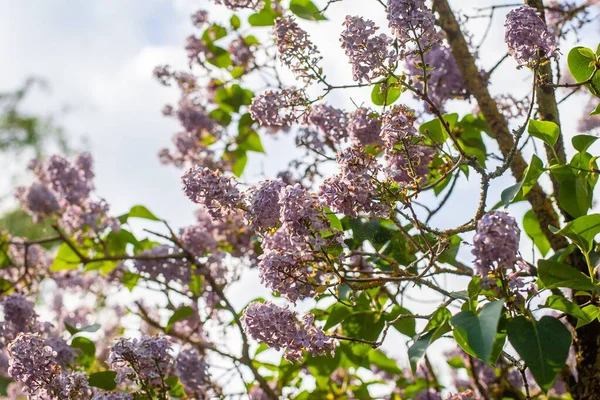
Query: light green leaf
582, 231
306, 9
337, 314
547, 131
87, 354
582, 142
65, 259
388, 95
579, 60
532, 228
436, 130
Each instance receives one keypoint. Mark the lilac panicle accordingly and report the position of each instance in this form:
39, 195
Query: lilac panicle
264, 204
211, 189
528, 38
277, 108
364, 127
295, 49
279, 328
496, 242
286, 274
370, 54
330, 121
192, 371
241, 4
413, 24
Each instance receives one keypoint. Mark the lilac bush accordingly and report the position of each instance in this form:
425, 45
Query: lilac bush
355, 255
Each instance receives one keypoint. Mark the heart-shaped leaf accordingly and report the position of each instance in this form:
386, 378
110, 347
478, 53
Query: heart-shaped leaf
543, 345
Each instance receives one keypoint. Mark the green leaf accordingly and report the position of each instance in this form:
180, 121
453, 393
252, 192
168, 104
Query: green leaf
90, 328
178, 315
582, 231
140, 211
4, 382
265, 17
334, 221
383, 362
251, 142
175, 387
476, 334
235, 22
241, 159
532, 228
547, 131
510, 193
87, 356
596, 111
103, 380
390, 93
582, 142
564, 305
579, 60
66, 259
436, 130
591, 312
337, 314
130, 280
437, 326
363, 325
554, 274
306, 9
406, 326
543, 345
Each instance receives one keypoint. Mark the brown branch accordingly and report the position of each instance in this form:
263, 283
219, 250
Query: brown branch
541, 204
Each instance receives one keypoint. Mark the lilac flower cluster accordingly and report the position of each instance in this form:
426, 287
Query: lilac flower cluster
185, 81
19, 315
240, 52
65, 354
146, 360
192, 371
528, 38
330, 121
32, 362
211, 189
444, 80
412, 23
196, 47
195, 119
285, 273
364, 127
63, 188
354, 190
71, 386
496, 243
264, 204
156, 262
198, 240
406, 161
240, 4
295, 49
302, 217
370, 54
189, 150
277, 108
278, 327
199, 18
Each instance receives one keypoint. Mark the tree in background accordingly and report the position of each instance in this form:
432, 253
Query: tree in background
353, 245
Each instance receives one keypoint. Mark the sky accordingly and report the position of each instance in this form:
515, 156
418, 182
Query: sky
97, 57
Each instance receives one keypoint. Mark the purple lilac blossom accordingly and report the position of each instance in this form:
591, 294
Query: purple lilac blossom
211, 189
279, 328
295, 49
364, 127
192, 371
155, 263
413, 24
527, 35
285, 273
277, 108
496, 242
264, 204
330, 121
370, 55
146, 359
444, 80
241, 4
240, 52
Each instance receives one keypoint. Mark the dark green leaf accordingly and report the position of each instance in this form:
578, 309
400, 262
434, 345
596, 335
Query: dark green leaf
383, 362
543, 345
363, 325
87, 354
436, 131
337, 314
509, 194
406, 325
564, 305
103, 380
90, 328
476, 334
554, 274
178, 315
